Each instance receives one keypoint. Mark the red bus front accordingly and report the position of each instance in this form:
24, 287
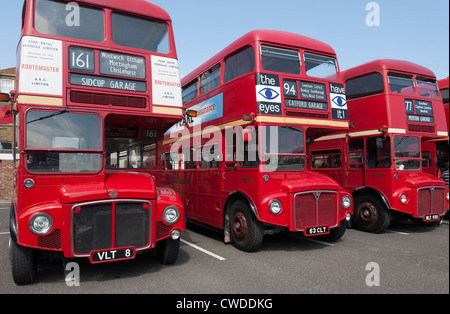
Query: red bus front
240, 165
87, 92
393, 108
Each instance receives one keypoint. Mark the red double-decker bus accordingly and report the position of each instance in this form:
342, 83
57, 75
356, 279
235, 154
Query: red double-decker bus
435, 152
239, 165
98, 85
443, 87
393, 107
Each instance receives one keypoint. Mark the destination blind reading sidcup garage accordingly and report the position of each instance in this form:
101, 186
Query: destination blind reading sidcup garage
110, 63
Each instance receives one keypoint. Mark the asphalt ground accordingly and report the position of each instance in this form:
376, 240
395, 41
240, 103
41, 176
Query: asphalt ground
406, 259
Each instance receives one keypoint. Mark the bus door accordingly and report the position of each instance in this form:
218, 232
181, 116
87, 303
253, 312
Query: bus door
208, 187
378, 162
248, 160
429, 158
355, 165
229, 165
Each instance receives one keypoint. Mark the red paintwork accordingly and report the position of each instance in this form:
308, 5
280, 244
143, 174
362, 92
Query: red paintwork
444, 84
208, 193
57, 193
386, 109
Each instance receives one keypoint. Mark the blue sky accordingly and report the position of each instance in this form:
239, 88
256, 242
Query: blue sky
411, 30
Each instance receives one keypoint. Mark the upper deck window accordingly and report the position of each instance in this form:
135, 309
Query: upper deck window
210, 79
280, 59
190, 91
427, 87
320, 66
55, 18
139, 33
445, 95
239, 64
364, 86
401, 84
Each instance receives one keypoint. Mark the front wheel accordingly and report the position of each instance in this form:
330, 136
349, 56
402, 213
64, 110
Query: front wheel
23, 263
167, 251
370, 214
247, 233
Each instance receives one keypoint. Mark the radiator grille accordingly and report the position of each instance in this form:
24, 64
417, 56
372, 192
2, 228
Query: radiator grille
430, 200
110, 225
315, 208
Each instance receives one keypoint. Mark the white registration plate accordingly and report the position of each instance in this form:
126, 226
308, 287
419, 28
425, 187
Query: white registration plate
112, 255
313, 231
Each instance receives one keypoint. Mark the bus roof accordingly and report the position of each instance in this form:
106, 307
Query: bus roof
444, 83
140, 7
270, 36
386, 64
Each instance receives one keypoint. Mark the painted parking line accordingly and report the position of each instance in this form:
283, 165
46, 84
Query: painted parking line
220, 258
4, 233
311, 240
397, 232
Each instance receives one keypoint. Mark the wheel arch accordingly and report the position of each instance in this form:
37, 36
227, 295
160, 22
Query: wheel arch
374, 192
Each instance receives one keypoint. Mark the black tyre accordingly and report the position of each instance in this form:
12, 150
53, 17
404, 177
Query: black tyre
23, 263
370, 214
246, 232
167, 251
335, 233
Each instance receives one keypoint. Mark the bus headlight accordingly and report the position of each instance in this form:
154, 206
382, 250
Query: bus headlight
346, 201
41, 224
171, 215
275, 207
403, 199
175, 235
447, 196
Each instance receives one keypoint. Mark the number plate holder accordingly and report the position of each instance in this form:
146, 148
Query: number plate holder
431, 218
314, 231
112, 255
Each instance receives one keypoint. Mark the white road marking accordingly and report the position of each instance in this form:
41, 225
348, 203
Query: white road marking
311, 240
4, 233
398, 232
220, 258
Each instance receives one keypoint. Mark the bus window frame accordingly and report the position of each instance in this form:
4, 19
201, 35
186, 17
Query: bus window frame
327, 153
68, 38
277, 46
236, 54
404, 77
266, 156
332, 77
431, 82
208, 73
28, 151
